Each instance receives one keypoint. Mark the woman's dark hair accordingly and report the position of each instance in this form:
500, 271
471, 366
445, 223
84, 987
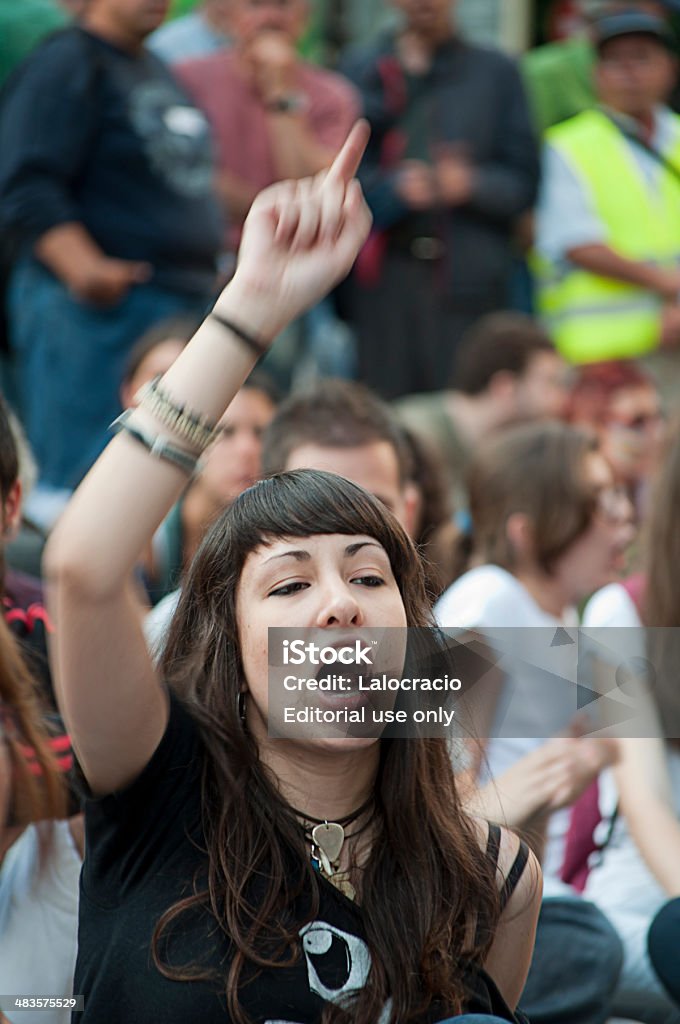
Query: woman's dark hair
427, 887
437, 535
537, 469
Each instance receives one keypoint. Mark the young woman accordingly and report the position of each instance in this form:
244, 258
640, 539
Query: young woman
154, 353
640, 799
199, 896
549, 527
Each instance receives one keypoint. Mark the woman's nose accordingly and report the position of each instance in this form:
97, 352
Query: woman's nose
339, 607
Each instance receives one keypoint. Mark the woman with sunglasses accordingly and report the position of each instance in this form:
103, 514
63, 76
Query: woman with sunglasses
638, 870
549, 526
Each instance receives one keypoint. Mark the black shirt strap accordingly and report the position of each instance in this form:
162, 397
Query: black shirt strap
514, 874
493, 849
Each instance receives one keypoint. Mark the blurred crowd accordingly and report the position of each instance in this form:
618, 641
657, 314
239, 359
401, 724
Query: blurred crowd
501, 369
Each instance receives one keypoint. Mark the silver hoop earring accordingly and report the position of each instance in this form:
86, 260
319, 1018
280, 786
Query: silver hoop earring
241, 706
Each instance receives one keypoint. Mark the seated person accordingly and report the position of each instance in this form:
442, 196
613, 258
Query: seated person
549, 527
154, 353
505, 371
638, 869
621, 403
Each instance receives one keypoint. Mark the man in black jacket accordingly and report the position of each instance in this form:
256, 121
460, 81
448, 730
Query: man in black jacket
106, 186
451, 167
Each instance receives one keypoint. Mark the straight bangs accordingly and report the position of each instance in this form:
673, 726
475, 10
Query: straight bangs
302, 503
306, 503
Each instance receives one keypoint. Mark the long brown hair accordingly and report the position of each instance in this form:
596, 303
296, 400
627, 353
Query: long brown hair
37, 791
537, 469
660, 604
427, 878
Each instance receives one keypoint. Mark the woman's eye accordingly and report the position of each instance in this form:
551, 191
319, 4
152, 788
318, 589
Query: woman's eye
369, 581
288, 588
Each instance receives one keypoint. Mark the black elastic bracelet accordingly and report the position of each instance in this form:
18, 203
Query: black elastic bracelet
254, 344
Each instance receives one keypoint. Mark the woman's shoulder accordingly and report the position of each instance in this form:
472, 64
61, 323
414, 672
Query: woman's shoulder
613, 605
517, 869
520, 884
481, 597
174, 767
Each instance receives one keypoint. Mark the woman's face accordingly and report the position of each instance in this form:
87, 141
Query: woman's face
154, 364
632, 437
333, 586
232, 463
597, 557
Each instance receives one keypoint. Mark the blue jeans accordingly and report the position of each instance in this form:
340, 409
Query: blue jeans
576, 965
473, 1018
70, 358
663, 941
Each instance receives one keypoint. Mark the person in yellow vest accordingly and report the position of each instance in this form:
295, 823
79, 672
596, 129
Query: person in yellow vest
608, 219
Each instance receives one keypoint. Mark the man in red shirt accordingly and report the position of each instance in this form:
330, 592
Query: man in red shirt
273, 115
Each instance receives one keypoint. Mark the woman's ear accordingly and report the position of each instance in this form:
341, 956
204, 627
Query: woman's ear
413, 506
519, 529
11, 512
503, 386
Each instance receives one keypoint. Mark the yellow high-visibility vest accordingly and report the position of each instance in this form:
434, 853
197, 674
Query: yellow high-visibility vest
594, 318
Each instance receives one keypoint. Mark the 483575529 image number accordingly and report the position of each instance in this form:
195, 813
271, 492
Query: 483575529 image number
21, 1002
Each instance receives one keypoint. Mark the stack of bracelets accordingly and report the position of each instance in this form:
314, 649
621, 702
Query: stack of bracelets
197, 430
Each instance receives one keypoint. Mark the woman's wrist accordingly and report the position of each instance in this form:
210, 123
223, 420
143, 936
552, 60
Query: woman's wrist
249, 304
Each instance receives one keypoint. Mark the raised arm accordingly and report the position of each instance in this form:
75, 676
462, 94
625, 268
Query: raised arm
300, 239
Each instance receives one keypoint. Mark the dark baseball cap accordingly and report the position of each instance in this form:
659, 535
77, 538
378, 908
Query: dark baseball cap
633, 23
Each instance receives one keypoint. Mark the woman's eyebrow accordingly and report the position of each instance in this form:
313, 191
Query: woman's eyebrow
352, 549
300, 556
304, 556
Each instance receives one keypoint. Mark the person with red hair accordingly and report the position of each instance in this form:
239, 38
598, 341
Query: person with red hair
621, 403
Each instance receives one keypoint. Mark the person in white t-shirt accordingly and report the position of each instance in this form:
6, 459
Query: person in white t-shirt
549, 527
640, 799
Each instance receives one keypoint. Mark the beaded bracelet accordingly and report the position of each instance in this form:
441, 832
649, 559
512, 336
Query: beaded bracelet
253, 343
197, 430
158, 446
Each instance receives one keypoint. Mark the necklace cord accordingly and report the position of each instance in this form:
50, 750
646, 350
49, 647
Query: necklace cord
347, 820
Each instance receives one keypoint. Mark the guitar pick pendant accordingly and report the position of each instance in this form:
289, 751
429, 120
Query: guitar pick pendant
328, 838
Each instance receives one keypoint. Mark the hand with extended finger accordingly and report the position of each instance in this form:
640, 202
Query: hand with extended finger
299, 240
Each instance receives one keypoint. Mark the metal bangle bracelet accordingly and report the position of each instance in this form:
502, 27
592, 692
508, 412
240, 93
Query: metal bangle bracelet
157, 445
